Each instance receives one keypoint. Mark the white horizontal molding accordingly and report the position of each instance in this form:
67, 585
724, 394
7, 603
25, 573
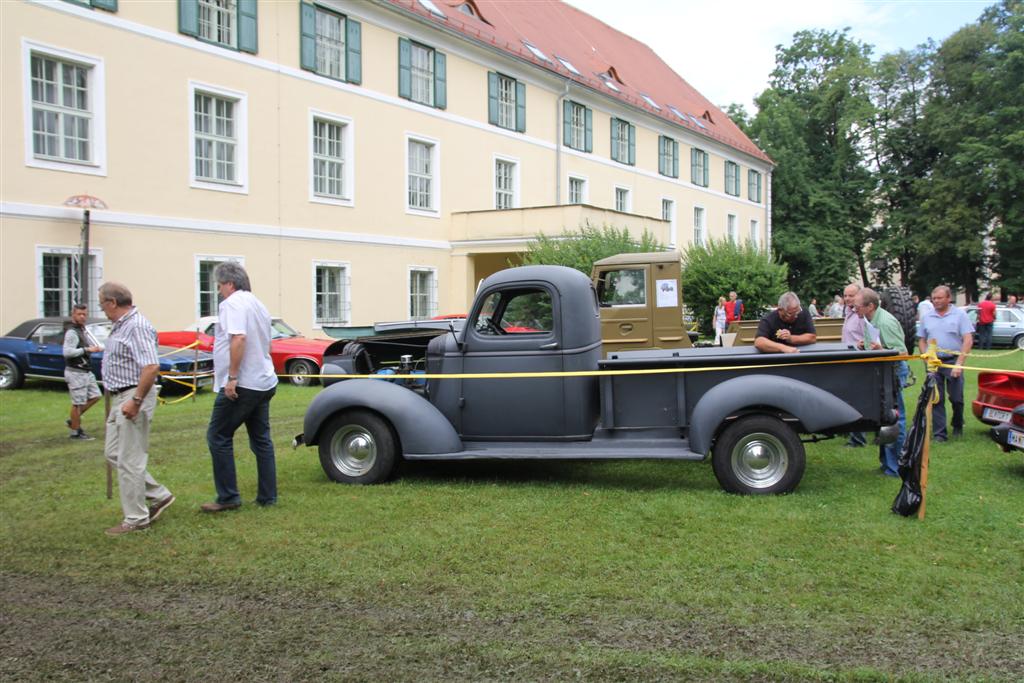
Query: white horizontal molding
130, 220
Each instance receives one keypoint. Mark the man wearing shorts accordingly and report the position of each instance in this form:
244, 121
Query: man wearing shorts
78, 344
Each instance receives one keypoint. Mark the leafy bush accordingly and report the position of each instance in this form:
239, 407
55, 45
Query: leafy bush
580, 248
719, 267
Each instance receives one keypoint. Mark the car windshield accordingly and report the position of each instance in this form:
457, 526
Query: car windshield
99, 332
279, 329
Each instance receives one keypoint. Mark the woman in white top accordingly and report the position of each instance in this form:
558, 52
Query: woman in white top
719, 320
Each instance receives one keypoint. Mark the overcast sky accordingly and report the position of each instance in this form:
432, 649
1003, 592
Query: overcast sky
727, 49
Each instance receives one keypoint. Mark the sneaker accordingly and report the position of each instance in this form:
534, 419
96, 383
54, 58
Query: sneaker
126, 528
157, 508
219, 507
958, 433
80, 435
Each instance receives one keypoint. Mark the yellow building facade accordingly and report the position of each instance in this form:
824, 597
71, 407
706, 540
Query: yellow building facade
349, 197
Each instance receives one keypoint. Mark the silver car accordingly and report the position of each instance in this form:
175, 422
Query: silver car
1008, 329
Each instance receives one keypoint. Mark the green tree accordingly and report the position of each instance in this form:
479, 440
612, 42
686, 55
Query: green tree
580, 248
721, 266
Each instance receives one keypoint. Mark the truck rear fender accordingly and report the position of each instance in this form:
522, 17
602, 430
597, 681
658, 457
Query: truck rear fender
816, 408
421, 428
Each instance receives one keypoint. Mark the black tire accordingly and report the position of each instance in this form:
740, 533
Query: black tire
10, 375
362, 364
358, 447
302, 366
899, 301
1018, 341
758, 455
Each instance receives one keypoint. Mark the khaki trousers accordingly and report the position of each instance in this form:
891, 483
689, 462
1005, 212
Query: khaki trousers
127, 450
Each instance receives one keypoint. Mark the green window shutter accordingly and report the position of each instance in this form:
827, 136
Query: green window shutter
675, 159
248, 30
615, 138
661, 155
632, 145
307, 36
693, 165
109, 5
520, 107
566, 122
404, 68
492, 98
589, 133
353, 51
440, 80
728, 180
188, 17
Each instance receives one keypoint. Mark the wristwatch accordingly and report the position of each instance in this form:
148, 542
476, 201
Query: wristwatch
137, 399
232, 378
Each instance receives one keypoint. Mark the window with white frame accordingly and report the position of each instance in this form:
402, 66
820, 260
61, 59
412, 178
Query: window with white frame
64, 110
699, 167
217, 21
216, 138
329, 170
577, 190
732, 229
61, 280
330, 43
422, 74
207, 296
754, 186
698, 226
330, 293
622, 199
422, 293
422, 172
577, 126
623, 134
504, 184
506, 102
755, 236
668, 214
732, 178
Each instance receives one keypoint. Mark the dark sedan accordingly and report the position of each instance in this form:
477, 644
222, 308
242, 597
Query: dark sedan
35, 349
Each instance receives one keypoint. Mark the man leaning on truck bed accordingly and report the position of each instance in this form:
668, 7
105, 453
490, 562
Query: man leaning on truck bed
785, 328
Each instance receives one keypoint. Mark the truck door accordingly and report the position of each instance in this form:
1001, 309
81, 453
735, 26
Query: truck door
623, 294
513, 329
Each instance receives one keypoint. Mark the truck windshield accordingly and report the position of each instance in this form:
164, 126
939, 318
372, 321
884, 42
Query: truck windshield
515, 312
625, 287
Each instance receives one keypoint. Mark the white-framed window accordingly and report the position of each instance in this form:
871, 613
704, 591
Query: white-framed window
668, 156
65, 110
330, 43
218, 127
422, 292
623, 200
700, 166
331, 153
207, 297
422, 163
623, 136
331, 287
506, 102
577, 190
732, 228
699, 235
755, 233
754, 186
668, 214
60, 279
422, 74
217, 21
732, 178
577, 126
506, 183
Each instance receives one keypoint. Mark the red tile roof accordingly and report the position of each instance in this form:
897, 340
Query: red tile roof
593, 48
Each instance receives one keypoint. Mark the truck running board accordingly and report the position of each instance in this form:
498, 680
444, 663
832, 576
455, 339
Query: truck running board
634, 449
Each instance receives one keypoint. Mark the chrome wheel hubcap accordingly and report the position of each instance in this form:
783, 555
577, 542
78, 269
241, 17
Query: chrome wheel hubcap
353, 450
759, 460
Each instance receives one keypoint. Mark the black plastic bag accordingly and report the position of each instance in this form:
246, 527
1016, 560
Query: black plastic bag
908, 500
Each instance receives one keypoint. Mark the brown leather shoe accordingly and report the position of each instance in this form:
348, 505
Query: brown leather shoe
219, 507
157, 508
125, 528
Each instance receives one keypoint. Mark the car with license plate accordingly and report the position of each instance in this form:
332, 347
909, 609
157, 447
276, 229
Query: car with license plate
291, 353
1008, 328
999, 392
35, 349
1010, 434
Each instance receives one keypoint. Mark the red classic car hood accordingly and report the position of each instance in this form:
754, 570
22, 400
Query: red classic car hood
300, 345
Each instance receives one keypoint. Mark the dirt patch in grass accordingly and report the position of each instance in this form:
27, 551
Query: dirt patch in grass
57, 627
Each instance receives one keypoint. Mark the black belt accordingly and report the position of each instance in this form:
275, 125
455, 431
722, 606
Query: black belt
124, 389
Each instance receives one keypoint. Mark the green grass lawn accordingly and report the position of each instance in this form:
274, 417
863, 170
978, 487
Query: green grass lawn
526, 571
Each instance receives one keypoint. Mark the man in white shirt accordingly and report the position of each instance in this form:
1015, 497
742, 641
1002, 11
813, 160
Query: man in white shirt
244, 379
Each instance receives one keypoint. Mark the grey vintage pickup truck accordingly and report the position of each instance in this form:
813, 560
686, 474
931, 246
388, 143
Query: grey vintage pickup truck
745, 409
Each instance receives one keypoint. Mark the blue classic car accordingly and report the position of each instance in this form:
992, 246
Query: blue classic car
35, 349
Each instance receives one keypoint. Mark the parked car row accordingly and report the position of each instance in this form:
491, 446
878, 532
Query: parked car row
35, 348
1008, 328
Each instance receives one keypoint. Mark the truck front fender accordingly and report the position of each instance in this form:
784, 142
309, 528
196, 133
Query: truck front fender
421, 428
816, 408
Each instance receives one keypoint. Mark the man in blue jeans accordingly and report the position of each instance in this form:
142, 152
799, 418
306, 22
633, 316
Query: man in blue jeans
244, 379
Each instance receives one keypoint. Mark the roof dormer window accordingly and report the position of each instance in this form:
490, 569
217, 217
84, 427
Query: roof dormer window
697, 121
467, 9
707, 116
536, 52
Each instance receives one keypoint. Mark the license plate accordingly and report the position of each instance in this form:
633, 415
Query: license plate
997, 415
1016, 439
204, 381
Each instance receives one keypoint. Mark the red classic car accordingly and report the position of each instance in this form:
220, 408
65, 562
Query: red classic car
291, 353
999, 392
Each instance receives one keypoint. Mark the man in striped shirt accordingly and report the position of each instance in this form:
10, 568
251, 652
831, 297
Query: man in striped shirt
130, 369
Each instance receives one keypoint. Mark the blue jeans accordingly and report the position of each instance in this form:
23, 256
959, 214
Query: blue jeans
984, 335
251, 408
891, 452
954, 388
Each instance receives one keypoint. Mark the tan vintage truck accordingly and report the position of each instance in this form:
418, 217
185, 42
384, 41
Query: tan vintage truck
827, 329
